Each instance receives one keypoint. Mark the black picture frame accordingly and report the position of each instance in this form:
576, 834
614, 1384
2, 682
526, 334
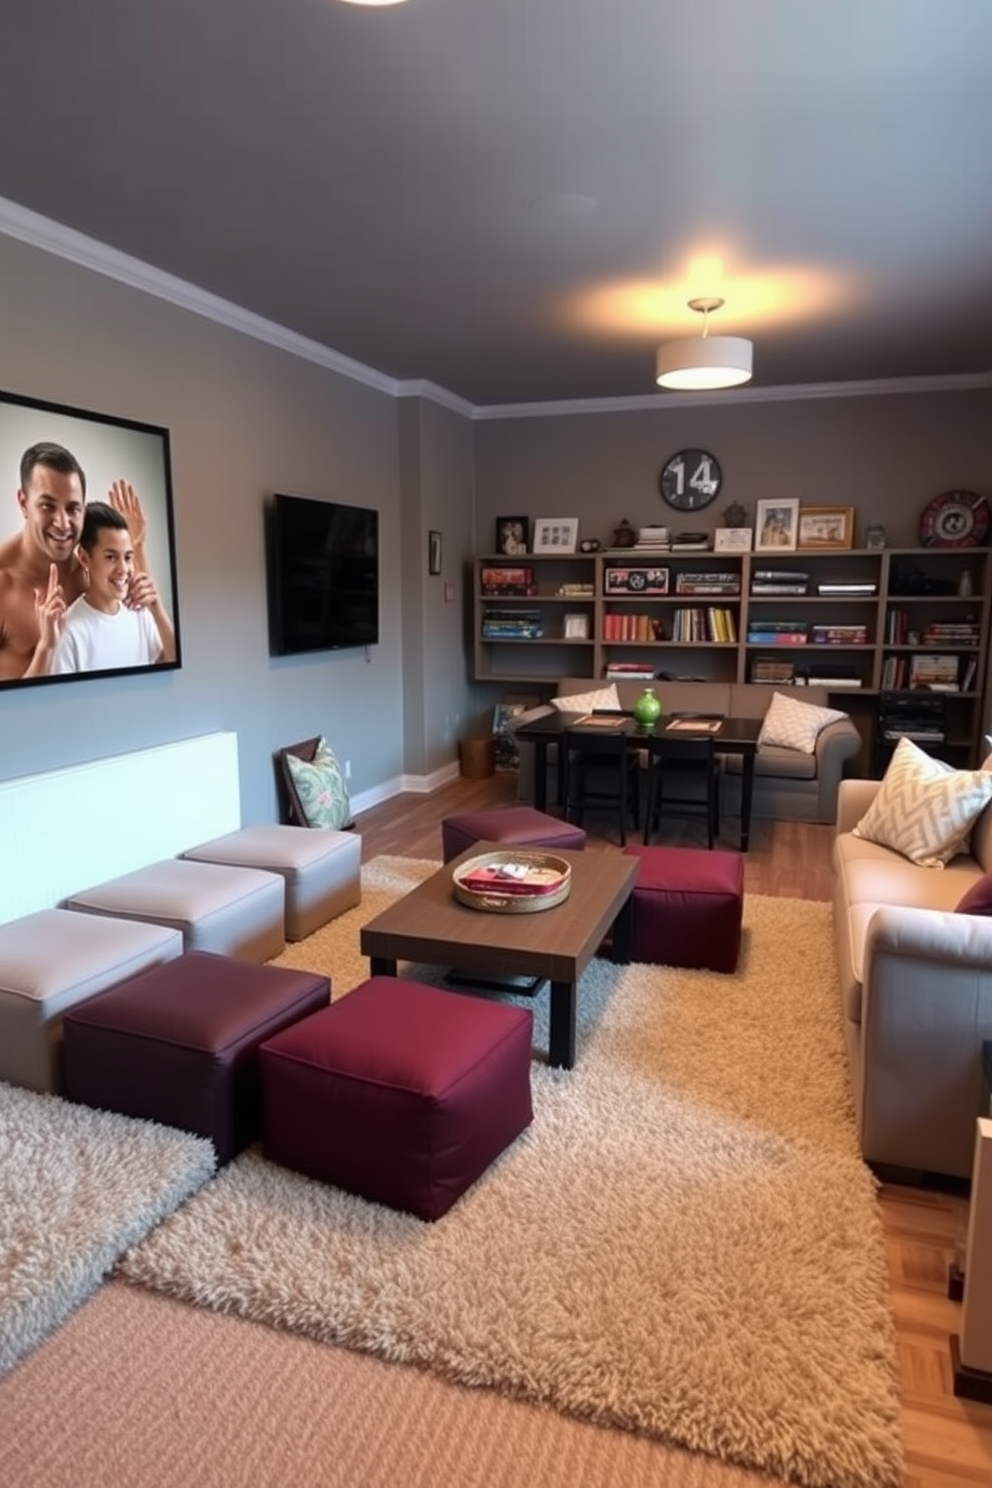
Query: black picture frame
512, 536
433, 553
108, 449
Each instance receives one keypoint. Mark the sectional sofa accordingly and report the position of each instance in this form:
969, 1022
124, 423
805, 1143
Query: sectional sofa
916, 990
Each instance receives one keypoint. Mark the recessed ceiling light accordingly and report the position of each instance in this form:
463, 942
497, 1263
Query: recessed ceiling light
564, 204
373, 2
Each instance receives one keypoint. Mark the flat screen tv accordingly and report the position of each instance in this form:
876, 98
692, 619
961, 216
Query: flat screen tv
87, 551
323, 575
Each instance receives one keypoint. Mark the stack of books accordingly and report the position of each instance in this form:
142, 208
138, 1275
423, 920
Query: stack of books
950, 633
653, 540
839, 635
836, 678
502, 581
857, 588
629, 671
720, 582
776, 633
512, 625
690, 542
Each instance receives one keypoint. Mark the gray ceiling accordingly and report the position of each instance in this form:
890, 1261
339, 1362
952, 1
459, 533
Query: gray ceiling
400, 184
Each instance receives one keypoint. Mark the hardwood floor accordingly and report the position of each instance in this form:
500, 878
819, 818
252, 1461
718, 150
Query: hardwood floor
948, 1441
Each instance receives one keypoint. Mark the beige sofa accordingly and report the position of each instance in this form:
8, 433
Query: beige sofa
788, 785
916, 990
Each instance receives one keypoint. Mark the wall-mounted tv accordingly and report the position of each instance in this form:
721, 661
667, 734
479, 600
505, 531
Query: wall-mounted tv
323, 575
87, 551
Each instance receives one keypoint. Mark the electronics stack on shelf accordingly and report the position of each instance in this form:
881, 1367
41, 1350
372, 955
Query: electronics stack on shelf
919, 715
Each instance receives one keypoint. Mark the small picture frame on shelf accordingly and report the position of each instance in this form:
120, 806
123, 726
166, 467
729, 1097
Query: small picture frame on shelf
556, 534
826, 527
511, 535
777, 526
576, 627
732, 539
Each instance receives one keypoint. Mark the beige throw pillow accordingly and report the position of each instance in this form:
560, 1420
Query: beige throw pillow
795, 725
606, 699
924, 809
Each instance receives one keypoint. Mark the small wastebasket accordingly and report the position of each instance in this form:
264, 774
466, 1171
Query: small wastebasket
478, 756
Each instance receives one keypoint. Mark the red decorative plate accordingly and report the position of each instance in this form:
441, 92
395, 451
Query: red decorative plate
956, 519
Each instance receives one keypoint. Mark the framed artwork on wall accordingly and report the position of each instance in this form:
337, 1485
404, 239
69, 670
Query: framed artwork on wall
512, 534
826, 527
776, 526
556, 534
92, 526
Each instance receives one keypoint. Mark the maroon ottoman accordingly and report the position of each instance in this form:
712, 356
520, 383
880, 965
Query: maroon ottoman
688, 905
399, 1092
517, 826
179, 1043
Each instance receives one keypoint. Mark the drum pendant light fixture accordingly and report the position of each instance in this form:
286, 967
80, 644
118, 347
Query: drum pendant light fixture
693, 363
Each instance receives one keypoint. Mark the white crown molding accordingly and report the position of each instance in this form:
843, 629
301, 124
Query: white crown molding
65, 242
660, 402
436, 394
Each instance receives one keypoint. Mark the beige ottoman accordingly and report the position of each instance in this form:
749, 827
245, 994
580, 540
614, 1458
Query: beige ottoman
49, 962
233, 911
322, 870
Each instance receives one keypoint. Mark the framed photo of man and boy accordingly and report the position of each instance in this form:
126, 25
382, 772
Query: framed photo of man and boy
87, 545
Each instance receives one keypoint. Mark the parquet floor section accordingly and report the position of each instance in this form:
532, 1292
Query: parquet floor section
948, 1441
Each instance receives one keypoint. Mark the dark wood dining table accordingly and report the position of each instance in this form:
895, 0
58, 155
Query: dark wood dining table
731, 736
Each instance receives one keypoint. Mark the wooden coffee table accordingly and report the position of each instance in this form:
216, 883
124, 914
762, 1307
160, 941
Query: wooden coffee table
556, 945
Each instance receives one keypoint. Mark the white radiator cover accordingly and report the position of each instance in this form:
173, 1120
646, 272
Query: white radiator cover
66, 830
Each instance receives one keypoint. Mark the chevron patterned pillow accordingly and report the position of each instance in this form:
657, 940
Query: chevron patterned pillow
793, 724
924, 809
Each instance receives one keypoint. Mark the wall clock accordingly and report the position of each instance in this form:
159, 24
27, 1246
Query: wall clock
955, 519
690, 480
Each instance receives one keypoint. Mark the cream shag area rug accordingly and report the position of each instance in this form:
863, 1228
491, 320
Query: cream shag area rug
77, 1187
685, 1243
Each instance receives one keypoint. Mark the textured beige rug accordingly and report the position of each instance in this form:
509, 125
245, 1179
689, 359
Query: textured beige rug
77, 1187
685, 1244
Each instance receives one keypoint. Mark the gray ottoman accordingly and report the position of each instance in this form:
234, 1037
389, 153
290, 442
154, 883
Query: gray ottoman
322, 870
49, 962
233, 911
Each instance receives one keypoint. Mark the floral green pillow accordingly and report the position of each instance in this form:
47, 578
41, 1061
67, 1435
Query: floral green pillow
321, 788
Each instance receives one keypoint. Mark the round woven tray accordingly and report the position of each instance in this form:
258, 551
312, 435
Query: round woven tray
547, 881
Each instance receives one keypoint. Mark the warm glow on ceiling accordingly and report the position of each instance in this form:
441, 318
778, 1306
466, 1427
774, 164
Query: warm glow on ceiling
373, 2
754, 301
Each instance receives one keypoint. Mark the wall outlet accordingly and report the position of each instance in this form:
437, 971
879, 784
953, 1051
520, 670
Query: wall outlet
347, 769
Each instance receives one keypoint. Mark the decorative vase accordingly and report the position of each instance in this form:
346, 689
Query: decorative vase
647, 709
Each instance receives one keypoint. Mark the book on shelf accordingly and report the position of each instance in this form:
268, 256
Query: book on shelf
776, 638
842, 588
766, 591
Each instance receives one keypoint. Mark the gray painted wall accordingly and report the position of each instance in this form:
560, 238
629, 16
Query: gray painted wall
885, 454
246, 419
